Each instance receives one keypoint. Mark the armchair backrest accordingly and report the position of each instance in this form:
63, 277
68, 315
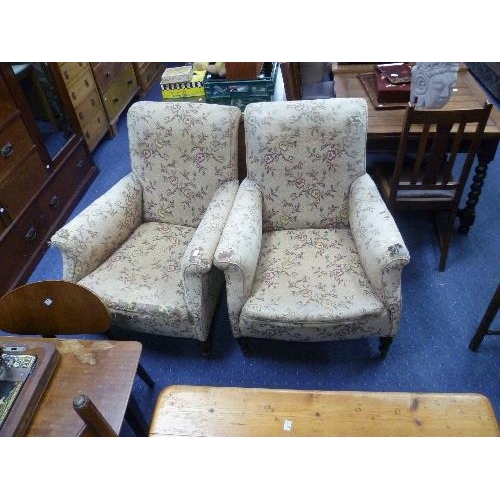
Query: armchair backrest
182, 152
304, 155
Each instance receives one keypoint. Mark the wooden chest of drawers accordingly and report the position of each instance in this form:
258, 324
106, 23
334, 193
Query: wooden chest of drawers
147, 73
81, 87
37, 192
117, 86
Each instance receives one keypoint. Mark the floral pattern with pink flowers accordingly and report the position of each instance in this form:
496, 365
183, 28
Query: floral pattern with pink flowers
312, 277
146, 246
185, 143
380, 245
304, 156
96, 232
143, 279
309, 251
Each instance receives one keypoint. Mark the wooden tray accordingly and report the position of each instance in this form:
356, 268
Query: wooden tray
368, 82
27, 400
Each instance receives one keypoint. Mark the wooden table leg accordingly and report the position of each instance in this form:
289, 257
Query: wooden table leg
485, 155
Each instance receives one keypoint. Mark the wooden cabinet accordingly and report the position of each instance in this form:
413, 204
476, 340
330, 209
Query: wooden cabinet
78, 81
147, 73
99, 92
38, 189
117, 85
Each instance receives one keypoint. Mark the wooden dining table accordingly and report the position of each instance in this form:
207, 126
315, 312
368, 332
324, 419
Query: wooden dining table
385, 125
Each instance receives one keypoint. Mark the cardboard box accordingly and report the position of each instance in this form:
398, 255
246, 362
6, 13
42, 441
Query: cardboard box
243, 70
177, 74
192, 88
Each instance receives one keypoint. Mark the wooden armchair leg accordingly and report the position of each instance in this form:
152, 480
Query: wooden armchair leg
244, 345
206, 348
384, 344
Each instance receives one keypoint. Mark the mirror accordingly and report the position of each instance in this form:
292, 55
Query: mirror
39, 88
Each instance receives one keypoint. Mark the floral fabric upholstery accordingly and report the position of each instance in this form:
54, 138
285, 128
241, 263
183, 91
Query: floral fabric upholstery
380, 246
142, 281
304, 156
202, 282
96, 232
146, 246
310, 286
173, 146
239, 249
309, 251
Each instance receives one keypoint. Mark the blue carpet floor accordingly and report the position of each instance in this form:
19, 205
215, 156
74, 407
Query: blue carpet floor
430, 354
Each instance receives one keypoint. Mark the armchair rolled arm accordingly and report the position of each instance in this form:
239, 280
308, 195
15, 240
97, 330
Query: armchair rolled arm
201, 286
239, 248
95, 233
199, 254
380, 245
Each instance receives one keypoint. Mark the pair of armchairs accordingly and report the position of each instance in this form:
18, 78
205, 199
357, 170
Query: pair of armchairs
307, 246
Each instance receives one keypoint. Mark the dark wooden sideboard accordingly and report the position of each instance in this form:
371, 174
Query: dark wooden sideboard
147, 73
42, 175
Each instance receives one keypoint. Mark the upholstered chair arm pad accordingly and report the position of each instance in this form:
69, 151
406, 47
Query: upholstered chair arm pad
379, 243
199, 254
239, 247
95, 233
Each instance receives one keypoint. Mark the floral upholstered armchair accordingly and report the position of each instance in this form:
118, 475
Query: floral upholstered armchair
310, 251
146, 246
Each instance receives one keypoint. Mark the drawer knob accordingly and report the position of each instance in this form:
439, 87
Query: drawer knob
54, 202
4, 216
31, 234
115, 99
7, 150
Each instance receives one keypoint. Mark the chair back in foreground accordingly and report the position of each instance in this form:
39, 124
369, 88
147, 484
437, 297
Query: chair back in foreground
95, 423
434, 178
310, 251
51, 308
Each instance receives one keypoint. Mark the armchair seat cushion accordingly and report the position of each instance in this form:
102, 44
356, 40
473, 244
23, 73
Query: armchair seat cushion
142, 281
310, 285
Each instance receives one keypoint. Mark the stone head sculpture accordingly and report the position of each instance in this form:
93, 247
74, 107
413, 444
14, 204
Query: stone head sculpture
432, 84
